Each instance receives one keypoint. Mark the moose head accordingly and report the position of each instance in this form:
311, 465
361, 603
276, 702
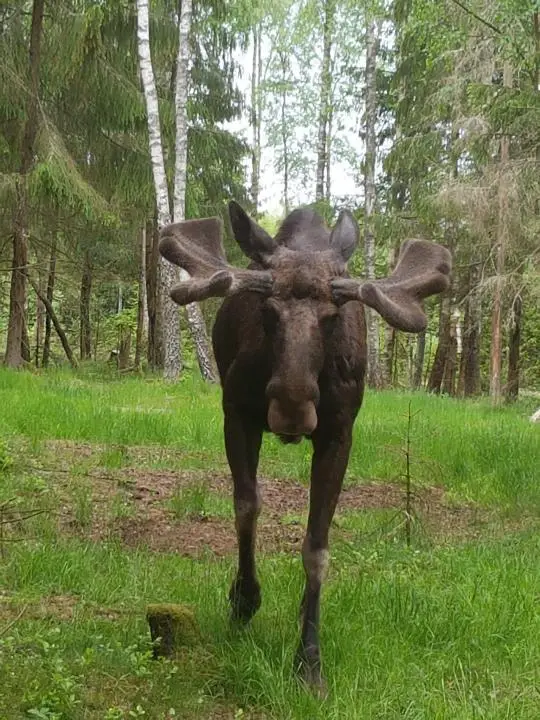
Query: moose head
303, 291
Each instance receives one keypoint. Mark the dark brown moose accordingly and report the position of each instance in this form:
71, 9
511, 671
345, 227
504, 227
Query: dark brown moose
290, 345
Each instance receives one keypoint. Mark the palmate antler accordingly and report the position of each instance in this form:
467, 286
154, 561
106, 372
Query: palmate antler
196, 246
423, 269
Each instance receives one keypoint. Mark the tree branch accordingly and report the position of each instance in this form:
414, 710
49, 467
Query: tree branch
477, 17
56, 323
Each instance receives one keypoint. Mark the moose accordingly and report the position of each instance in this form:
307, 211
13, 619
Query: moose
290, 345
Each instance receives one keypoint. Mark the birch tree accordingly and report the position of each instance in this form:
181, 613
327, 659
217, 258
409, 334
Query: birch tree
370, 120
256, 98
170, 320
195, 318
169, 275
325, 99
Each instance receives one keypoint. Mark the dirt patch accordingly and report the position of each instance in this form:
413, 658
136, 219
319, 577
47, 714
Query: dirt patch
155, 526
57, 607
133, 505
281, 528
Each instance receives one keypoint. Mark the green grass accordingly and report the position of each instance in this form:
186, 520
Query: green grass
196, 500
436, 632
453, 633
476, 452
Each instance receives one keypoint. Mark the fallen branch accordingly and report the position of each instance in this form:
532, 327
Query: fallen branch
59, 330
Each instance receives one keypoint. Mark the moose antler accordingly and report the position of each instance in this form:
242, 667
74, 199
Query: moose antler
196, 246
423, 269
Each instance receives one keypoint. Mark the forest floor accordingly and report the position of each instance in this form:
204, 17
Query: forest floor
115, 494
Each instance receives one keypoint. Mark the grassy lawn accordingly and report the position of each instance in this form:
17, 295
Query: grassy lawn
129, 482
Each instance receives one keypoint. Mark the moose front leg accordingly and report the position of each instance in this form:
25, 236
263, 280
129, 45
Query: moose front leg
330, 458
243, 444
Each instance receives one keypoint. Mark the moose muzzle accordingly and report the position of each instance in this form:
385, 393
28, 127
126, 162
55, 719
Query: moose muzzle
294, 420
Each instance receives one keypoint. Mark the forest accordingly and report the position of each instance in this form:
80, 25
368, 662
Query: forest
420, 117
419, 120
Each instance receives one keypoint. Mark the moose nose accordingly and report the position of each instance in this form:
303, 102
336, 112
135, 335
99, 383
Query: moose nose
292, 420
293, 393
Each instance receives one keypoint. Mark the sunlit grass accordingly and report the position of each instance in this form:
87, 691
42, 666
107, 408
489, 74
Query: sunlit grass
437, 631
454, 632
476, 452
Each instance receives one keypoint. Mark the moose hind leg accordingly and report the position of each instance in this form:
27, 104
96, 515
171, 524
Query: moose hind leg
242, 444
329, 463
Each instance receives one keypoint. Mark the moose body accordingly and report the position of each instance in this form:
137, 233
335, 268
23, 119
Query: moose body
290, 345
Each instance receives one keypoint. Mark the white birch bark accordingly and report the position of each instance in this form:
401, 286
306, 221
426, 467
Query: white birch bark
197, 325
170, 320
180, 99
324, 99
255, 116
373, 374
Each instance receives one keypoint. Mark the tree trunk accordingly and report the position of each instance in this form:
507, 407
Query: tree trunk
373, 373
40, 321
59, 329
124, 347
419, 360
195, 317
96, 335
170, 316
25, 345
141, 302
284, 134
500, 252
448, 384
512, 385
86, 294
386, 363
50, 294
327, 190
324, 98
427, 369
255, 116
437, 369
155, 347
469, 371
17, 300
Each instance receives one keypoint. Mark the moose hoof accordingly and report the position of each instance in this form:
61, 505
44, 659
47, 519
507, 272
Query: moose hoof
308, 670
245, 599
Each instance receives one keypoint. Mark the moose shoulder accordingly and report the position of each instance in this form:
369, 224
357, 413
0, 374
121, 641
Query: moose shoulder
290, 344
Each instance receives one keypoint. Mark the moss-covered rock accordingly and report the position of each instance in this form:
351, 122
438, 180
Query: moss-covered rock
172, 627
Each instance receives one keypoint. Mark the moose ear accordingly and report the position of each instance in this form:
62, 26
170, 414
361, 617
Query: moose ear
344, 237
254, 242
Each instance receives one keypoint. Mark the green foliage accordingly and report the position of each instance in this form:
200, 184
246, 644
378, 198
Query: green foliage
6, 461
83, 507
197, 501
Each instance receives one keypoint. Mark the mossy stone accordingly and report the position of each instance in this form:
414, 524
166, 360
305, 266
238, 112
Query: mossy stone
172, 627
